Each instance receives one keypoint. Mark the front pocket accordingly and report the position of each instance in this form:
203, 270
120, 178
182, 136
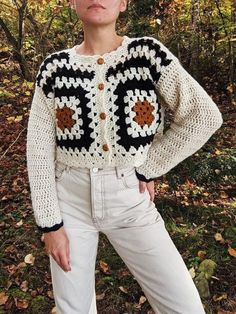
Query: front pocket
130, 180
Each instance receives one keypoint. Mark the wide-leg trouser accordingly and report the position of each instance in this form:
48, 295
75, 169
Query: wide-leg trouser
108, 200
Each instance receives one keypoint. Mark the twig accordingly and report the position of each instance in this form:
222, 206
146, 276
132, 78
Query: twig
17, 240
12, 143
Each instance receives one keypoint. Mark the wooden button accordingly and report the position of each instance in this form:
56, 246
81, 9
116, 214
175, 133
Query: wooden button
100, 61
101, 86
103, 115
105, 147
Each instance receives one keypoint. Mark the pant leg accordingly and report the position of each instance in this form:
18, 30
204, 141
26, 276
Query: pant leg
157, 265
74, 291
137, 232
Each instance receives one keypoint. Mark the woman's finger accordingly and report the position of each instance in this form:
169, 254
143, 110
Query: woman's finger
151, 190
142, 186
68, 252
64, 260
152, 194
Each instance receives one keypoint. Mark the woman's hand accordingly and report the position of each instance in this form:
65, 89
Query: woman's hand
150, 187
57, 244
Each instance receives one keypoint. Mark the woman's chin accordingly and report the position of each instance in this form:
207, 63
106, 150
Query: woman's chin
96, 21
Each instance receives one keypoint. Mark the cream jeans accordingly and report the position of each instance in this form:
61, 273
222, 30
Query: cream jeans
108, 200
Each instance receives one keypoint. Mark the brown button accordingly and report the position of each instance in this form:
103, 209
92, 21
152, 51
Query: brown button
105, 147
100, 61
103, 115
101, 86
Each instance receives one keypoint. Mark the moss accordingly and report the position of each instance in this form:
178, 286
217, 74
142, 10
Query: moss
40, 304
2, 310
17, 293
3, 278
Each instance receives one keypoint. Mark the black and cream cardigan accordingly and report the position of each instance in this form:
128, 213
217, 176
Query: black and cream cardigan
108, 110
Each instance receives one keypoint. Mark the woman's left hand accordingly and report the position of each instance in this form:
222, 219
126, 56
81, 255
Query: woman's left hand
149, 186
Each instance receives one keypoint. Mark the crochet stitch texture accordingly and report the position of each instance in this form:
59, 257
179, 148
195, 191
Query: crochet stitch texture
108, 110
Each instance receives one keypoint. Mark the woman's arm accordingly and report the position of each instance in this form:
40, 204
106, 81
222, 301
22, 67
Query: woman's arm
41, 156
195, 118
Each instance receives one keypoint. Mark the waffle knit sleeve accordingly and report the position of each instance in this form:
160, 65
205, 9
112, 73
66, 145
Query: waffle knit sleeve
40, 151
195, 118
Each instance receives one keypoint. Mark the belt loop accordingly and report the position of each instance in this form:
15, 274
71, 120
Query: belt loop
119, 172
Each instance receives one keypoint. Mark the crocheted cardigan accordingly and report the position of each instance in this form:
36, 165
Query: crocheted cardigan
108, 110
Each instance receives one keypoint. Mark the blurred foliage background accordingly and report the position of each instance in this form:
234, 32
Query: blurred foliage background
201, 33
197, 198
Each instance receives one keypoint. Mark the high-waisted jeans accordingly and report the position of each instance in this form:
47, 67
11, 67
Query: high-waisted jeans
108, 200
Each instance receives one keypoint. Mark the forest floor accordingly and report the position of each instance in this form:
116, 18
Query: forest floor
197, 200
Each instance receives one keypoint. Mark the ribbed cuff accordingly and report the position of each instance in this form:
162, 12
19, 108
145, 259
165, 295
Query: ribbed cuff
52, 228
141, 177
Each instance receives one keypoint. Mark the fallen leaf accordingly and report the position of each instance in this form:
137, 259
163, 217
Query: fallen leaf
104, 266
221, 297
232, 251
50, 294
223, 194
19, 223
225, 312
21, 265
3, 298
18, 118
33, 293
29, 259
11, 269
100, 296
201, 254
218, 152
192, 272
54, 310
24, 286
218, 237
21, 303
142, 299
123, 289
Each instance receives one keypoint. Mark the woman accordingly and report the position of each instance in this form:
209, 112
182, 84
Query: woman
95, 144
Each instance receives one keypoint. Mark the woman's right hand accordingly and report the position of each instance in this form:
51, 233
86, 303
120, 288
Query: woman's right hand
57, 244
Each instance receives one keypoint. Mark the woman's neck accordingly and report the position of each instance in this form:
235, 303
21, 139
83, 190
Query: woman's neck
100, 45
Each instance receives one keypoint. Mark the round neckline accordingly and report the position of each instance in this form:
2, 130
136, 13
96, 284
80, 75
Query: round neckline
75, 54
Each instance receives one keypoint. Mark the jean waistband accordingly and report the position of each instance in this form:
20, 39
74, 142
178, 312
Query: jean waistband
119, 170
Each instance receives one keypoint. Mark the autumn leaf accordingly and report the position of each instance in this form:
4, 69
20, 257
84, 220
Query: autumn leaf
142, 299
201, 254
104, 266
19, 223
24, 286
221, 297
29, 259
223, 194
14, 119
123, 289
21, 303
232, 251
54, 310
192, 272
218, 237
100, 296
218, 152
3, 298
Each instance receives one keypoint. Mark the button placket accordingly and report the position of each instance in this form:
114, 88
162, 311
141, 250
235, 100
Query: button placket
101, 86
102, 115
101, 101
100, 60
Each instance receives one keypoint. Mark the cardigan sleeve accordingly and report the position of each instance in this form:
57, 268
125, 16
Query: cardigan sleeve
195, 118
40, 151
